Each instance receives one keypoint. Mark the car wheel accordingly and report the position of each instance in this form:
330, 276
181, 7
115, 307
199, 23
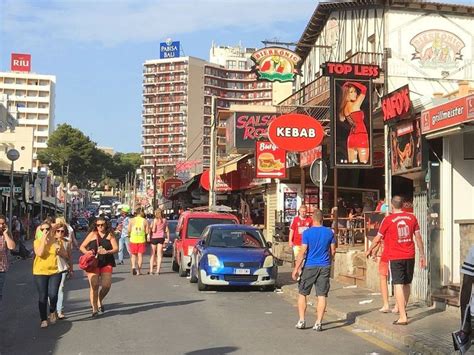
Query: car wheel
193, 278
174, 265
201, 286
269, 288
182, 269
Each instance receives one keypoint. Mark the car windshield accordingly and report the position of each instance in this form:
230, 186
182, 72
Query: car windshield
197, 225
236, 239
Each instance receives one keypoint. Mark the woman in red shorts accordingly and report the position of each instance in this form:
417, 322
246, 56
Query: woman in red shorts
100, 241
358, 139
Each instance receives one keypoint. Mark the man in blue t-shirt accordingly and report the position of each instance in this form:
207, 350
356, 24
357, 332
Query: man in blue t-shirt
317, 250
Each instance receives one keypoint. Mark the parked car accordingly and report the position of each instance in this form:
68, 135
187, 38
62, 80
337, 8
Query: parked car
189, 228
168, 248
233, 255
106, 210
82, 224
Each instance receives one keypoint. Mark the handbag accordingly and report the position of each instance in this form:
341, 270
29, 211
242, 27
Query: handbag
89, 262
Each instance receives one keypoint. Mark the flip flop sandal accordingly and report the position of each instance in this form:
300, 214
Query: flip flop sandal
399, 323
383, 310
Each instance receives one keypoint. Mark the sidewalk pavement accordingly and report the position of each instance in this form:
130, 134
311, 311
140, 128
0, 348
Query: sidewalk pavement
429, 330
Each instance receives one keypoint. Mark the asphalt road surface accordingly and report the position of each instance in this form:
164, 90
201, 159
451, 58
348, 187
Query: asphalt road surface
166, 314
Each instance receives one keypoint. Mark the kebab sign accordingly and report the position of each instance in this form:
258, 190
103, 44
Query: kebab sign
276, 64
270, 160
295, 132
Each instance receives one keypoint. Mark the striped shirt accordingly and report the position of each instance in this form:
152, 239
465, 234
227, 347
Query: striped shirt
468, 265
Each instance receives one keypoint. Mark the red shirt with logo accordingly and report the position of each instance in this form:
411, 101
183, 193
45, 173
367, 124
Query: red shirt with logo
298, 226
397, 231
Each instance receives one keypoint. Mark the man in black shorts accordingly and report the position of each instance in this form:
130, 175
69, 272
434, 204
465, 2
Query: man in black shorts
397, 231
317, 250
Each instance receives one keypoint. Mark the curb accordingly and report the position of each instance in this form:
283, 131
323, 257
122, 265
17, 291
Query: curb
411, 341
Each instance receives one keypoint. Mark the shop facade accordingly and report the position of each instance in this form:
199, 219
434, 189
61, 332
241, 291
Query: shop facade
424, 46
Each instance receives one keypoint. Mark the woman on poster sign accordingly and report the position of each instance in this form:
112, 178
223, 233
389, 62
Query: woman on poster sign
352, 96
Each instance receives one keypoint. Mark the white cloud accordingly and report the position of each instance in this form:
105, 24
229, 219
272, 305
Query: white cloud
115, 22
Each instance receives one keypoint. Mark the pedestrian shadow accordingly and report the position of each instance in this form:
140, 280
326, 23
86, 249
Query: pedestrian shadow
423, 315
120, 308
221, 350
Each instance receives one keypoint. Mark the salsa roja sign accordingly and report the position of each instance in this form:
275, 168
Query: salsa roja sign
295, 132
397, 104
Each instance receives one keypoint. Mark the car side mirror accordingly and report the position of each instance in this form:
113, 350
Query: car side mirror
269, 244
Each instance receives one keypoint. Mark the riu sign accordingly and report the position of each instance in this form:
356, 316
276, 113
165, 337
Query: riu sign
397, 104
350, 70
21, 62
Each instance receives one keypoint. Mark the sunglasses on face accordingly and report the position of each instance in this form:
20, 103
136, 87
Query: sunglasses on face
100, 224
45, 229
60, 231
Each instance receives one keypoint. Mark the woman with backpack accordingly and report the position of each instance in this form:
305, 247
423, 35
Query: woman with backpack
100, 242
157, 239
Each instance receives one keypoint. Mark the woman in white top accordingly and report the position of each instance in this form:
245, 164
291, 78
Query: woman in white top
157, 239
64, 264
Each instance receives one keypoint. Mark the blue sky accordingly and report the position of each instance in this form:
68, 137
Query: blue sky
96, 49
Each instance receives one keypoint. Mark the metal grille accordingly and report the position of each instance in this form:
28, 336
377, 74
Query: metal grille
244, 264
420, 286
241, 278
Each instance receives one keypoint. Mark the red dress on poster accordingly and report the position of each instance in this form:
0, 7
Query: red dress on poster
352, 96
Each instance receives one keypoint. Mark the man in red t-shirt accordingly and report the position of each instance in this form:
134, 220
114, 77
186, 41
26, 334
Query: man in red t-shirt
398, 230
298, 226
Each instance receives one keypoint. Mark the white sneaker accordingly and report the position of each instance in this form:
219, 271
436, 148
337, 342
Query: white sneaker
300, 325
318, 327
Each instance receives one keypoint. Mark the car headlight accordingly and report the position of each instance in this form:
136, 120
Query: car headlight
268, 261
212, 260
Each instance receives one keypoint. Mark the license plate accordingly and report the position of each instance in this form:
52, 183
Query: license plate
242, 271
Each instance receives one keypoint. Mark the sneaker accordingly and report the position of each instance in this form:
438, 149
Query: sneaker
300, 325
53, 317
44, 324
318, 327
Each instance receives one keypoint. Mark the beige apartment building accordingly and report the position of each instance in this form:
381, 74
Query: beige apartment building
31, 99
177, 94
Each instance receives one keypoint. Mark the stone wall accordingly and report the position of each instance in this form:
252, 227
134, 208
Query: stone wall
466, 229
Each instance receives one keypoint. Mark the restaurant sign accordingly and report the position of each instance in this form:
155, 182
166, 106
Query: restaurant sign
270, 160
276, 64
397, 104
450, 114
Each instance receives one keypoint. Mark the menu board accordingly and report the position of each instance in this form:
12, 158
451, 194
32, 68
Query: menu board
290, 208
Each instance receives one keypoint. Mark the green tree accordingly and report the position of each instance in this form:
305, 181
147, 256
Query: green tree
72, 154
69, 153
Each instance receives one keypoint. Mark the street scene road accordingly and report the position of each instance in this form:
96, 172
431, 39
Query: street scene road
166, 314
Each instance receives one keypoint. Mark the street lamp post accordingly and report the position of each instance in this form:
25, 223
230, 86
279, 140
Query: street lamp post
12, 155
42, 175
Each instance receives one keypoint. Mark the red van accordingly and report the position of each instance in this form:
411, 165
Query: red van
188, 231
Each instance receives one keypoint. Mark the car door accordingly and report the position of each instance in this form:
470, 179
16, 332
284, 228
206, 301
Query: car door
200, 246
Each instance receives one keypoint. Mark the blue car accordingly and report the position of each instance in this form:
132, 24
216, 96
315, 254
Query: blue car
233, 255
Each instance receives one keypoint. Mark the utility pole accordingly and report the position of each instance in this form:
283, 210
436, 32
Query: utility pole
212, 167
388, 180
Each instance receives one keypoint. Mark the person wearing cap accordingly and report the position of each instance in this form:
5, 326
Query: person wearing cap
124, 241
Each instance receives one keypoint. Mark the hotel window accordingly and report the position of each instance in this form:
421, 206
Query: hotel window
242, 65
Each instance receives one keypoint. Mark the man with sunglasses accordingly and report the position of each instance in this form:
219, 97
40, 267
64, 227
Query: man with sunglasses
6, 242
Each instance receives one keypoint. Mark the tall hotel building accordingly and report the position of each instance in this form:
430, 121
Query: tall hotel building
177, 104
32, 97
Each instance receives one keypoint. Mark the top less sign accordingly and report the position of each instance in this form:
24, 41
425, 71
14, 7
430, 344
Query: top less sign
21, 62
169, 49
